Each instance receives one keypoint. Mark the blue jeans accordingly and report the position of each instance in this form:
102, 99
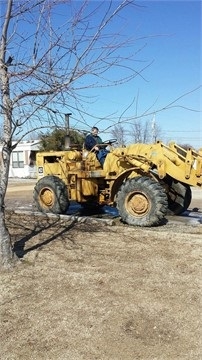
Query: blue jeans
101, 155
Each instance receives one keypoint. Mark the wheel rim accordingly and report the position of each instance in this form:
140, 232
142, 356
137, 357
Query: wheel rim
46, 197
138, 204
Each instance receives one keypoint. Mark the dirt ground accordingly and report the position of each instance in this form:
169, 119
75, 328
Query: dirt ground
87, 291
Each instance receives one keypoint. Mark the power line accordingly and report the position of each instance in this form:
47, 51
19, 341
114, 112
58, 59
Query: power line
183, 131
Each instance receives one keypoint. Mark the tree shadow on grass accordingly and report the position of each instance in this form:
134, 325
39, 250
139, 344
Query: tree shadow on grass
38, 228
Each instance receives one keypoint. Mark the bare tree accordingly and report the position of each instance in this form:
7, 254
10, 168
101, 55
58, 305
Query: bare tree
145, 131
46, 64
118, 132
140, 131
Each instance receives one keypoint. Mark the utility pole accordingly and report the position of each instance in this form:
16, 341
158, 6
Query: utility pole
153, 126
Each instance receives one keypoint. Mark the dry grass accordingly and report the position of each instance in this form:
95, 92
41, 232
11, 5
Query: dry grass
100, 292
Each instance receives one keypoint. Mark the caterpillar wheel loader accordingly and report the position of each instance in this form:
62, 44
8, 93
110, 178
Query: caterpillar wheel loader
144, 181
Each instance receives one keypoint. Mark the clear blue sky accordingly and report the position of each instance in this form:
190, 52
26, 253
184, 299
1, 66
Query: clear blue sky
170, 34
172, 31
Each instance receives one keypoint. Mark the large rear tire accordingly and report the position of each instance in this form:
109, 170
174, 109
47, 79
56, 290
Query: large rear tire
179, 196
142, 202
50, 195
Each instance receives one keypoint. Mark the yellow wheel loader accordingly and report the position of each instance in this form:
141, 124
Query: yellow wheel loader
144, 181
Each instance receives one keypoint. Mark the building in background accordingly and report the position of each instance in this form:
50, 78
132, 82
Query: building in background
23, 159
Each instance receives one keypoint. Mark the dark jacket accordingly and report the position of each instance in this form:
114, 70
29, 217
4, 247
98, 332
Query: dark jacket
91, 141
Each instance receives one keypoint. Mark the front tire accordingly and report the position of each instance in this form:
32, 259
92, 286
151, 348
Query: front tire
50, 195
142, 202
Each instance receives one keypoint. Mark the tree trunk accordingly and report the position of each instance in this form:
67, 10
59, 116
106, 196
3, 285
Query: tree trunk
6, 254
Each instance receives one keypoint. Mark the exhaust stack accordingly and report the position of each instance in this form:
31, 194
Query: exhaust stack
67, 136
